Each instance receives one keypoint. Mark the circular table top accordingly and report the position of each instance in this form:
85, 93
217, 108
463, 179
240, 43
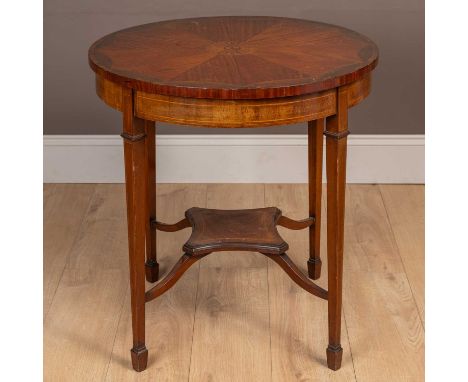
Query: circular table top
234, 57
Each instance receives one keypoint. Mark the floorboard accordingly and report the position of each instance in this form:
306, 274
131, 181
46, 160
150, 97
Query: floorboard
65, 207
233, 316
405, 209
80, 329
385, 331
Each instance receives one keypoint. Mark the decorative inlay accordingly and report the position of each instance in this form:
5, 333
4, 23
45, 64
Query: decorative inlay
234, 57
242, 113
232, 47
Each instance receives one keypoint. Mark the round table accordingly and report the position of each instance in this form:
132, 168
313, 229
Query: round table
234, 72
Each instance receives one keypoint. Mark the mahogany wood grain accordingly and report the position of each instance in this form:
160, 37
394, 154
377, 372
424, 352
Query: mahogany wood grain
184, 263
315, 155
234, 230
135, 179
110, 92
151, 265
240, 113
295, 224
243, 196
359, 90
181, 224
234, 72
336, 140
234, 57
228, 113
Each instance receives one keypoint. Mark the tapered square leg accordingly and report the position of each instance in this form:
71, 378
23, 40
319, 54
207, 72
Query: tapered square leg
314, 268
136, 192
151, 271
152, 266
334, 356
315, 155
336, 133
139, 358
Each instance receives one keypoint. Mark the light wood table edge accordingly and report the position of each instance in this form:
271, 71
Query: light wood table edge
231, 113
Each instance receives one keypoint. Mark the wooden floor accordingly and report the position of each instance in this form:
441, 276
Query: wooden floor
233, 316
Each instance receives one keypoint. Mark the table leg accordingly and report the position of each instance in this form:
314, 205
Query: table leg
315, 153
152, 266
135, 167
336, 133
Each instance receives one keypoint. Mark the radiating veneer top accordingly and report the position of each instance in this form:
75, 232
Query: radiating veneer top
235, 57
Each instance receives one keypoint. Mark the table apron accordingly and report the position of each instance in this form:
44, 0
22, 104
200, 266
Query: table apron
231, 113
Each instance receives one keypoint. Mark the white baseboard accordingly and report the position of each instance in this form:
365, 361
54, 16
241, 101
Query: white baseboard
232, 159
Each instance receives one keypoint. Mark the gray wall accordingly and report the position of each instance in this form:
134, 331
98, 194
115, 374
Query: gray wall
396, 105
